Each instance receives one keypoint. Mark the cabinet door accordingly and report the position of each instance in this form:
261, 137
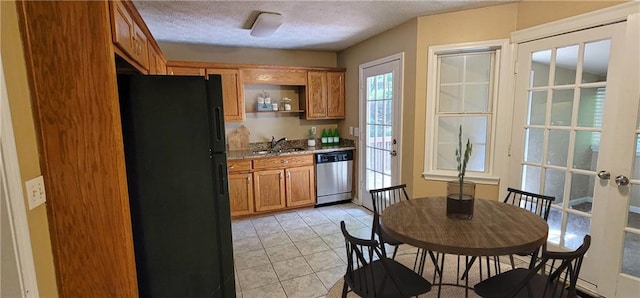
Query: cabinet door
335, 95
185, 71
232, 93
140, 45
316, 95
122, 27
300, 186
269, 191
241, 193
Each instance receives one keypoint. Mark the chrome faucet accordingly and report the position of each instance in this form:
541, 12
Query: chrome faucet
275, 143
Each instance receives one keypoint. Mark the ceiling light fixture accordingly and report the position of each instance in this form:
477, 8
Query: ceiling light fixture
266, 23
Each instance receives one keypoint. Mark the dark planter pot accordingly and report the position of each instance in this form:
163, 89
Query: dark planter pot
460, 201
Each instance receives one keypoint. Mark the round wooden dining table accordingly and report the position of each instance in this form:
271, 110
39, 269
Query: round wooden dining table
496, 228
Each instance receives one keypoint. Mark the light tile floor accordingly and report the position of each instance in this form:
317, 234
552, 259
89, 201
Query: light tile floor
298, 253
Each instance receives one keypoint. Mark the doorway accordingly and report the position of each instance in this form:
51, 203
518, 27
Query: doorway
380, 118
576, 137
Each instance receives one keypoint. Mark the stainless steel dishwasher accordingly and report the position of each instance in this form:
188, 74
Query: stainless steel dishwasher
334, 177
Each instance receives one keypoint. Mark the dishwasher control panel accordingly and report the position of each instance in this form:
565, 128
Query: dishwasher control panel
335, 156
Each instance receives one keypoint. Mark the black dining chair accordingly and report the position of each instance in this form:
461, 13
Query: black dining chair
554, 276
535, 203
381, 199
370, 273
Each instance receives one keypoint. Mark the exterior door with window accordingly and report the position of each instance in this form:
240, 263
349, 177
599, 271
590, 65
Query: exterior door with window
381, 119
575, 137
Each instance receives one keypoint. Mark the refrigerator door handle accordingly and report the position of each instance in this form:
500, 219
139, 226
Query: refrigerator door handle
219, 123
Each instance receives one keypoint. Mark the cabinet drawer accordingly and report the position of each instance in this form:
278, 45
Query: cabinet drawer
283, 162
291, 77
242, 165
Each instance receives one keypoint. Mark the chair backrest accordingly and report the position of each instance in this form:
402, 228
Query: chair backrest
562, 269
385, 197
536, 203
360, 253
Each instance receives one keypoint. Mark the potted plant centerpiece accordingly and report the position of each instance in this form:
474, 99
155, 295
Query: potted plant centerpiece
460, 193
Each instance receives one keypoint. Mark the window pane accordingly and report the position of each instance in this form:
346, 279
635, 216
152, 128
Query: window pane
566, 62
450, 100
561, 107
554, 185
584, 156
540, 62
478, 67
533, 145
591, 107
475, 129
476, 98
581, 195
531, 178
558, 147
447, 157
537, 107
631, 254
451, 69
596, 61
477, 158
555, 224
577, 227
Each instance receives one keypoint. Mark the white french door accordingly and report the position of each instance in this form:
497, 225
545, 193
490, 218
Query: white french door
576, 137
381, 110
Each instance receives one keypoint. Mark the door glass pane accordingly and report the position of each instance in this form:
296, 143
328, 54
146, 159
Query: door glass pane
558, 147
537, 107
596, 61
631, 254
633, 221
566, 62
591, 107
561, 107
555, 225
577, 227
635, 174
585, 154
554, 184
540, 62
531, 178
581, 194
533, 145
378, 130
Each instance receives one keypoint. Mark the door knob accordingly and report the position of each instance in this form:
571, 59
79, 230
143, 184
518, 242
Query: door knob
604, 175
393, 153
622, 180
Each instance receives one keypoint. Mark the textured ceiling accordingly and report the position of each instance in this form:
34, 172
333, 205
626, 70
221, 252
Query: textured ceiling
308, 25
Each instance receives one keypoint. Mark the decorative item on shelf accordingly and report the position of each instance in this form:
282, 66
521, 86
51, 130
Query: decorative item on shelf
264, 102
311, 138
460, 193
285, 103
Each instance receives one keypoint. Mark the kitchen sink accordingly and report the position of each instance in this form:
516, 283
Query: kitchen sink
284, 150
262, 152
289, 150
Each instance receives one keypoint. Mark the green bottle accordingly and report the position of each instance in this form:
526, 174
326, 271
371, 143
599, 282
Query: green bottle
324, 137
330, 137
336, 137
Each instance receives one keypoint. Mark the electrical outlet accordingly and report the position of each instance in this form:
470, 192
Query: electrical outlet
35, 192
313, 129
356, 131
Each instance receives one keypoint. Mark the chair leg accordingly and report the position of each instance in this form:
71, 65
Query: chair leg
395, 251
513, 264
345, 289
466, 270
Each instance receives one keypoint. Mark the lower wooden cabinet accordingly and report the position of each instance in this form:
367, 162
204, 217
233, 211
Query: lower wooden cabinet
269, 190
271, 184
241, 193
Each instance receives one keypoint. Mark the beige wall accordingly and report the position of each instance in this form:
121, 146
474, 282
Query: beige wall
25, 135
535, 12
206, 53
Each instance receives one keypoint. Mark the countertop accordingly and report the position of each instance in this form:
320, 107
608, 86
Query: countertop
251, 154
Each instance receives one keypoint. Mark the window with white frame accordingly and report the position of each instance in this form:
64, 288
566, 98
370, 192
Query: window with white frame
462, 91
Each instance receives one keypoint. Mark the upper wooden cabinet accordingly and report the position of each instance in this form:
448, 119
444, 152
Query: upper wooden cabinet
232, 93
127, 35
279, 76
185, 71
157, 65
324, 96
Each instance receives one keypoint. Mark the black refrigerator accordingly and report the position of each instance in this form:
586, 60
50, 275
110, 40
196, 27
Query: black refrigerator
174, 142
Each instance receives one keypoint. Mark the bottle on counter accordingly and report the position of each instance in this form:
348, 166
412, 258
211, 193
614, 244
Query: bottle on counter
336, 137
330, 137
324, 137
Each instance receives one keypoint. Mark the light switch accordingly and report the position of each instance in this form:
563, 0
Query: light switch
356, 131
35, 192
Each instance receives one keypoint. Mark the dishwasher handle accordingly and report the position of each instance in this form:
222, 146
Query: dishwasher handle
335, 156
